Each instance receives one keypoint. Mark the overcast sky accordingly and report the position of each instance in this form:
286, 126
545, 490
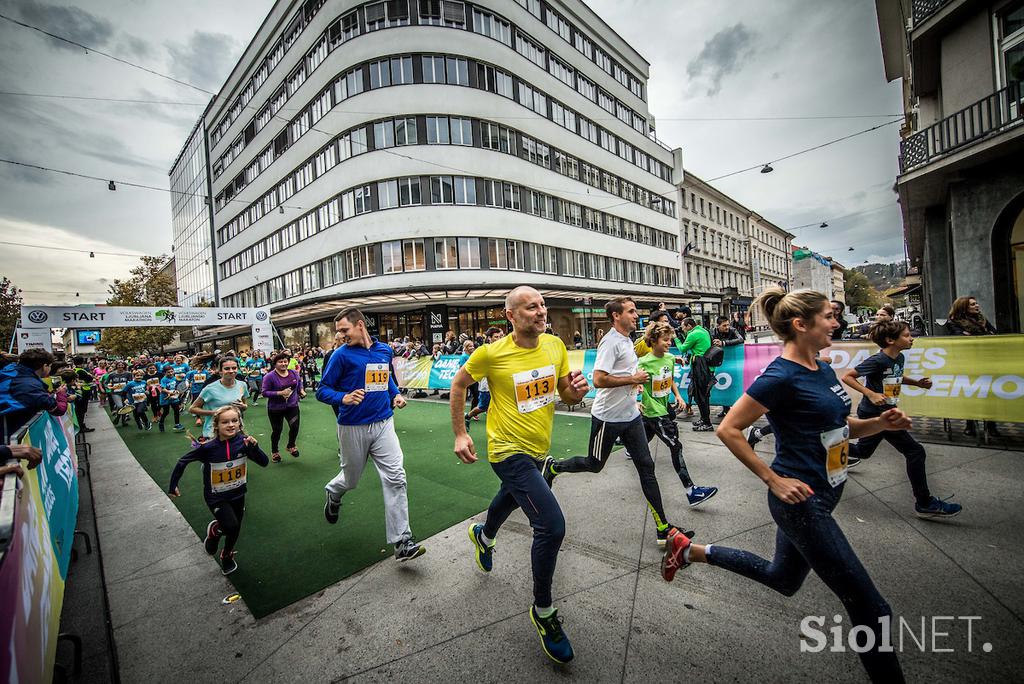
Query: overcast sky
709, 59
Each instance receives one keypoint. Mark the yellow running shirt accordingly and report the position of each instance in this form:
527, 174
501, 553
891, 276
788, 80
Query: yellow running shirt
524, 388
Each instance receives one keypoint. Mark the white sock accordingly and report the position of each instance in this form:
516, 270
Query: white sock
485, 539
689, 490
686, 554
707, 553
544, 612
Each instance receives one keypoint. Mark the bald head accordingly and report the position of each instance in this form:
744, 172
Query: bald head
518, 294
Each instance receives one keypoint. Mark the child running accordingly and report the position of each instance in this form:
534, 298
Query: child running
654, 402
136, 393
810, 413
882, 377
483, 402
172, 387
224, 460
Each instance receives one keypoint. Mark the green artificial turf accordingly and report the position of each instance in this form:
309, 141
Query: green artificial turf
287, 550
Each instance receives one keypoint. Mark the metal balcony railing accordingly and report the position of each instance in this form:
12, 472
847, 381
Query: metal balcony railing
985, 117
922, 9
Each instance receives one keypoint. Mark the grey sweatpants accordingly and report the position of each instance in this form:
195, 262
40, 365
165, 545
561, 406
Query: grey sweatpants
379, 442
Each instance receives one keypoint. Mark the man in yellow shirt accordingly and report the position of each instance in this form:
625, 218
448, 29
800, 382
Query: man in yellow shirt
524, 370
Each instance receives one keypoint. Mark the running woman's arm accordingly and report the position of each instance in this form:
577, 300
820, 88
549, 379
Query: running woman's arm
741, 416
464, 448
196, 409
179, 469
849, 379
893, 419
572, 387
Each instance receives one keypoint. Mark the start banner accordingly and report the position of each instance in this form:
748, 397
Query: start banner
95, 316
34, 568
980, 378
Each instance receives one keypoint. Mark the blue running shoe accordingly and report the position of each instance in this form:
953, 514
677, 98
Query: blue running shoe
484, 552
553, 640
937, 508
700, 494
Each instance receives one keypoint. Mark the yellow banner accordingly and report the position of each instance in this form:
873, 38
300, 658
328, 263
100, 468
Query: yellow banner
980, 378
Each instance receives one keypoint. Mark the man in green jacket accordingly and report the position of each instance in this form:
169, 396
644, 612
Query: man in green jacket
698, 341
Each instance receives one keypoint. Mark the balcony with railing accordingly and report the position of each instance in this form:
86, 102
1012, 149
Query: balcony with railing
988, 117
922, 9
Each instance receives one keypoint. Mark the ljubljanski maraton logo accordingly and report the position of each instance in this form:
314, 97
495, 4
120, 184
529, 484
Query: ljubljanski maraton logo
37, 316
261, 315
165, 315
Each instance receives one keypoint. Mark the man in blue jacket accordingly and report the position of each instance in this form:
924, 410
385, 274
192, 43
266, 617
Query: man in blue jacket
358, 382
23, 394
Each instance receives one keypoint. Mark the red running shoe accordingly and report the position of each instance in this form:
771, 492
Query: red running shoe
673, 559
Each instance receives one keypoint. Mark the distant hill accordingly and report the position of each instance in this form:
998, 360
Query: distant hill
884, 276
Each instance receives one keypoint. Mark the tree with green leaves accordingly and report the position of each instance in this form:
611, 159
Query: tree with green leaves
859, 291
147, 286
10, 311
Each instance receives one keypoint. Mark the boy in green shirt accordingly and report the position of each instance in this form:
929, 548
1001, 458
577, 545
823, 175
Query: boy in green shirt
654, 401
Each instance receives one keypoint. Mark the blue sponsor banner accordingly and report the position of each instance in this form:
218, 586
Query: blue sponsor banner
728, 387
58, 485
443, 371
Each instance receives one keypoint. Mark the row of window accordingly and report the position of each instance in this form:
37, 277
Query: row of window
713, 212
396, 13
771, 262
709, 278
448, 253
450, 70
445, 130
281, 45
710, 243
579, 40
414, 191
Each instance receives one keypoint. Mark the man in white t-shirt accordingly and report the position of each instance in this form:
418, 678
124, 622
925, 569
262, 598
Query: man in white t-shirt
614, 413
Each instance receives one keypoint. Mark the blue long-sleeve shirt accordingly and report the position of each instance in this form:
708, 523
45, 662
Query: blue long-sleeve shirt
22, 395
353, 367
224, 467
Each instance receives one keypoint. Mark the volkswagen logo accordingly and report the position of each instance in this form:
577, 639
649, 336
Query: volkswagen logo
261, 315
37, 316
534, 373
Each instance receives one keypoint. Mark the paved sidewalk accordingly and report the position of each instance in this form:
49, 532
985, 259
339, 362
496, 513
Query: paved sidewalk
440, 619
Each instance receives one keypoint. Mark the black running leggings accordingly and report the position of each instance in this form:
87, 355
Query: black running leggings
602, 439
229, 516
141, 415
277, 419
167, 408
668, 432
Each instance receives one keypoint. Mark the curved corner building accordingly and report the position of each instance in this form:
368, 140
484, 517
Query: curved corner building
419, 158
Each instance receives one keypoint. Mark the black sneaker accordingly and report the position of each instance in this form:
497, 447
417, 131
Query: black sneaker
853, 462
331, 509
407, 549
703, 427
85, 429
212, 540
548, 471
664, 534
227, 563
753, 436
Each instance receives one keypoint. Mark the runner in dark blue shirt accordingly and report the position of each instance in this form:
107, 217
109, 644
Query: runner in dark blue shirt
882, 376
809, 411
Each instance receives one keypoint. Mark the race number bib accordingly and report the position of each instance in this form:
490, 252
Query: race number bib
139, 397
837, 445
377, 377
534, 388
227, 476
153, 381
661, 386
118, 387
199, 377
891, 390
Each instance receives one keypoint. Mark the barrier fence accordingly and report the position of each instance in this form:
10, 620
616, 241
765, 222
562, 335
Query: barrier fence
39, 511
980, 378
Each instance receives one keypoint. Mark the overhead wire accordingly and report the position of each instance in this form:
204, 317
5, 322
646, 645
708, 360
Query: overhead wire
70, 249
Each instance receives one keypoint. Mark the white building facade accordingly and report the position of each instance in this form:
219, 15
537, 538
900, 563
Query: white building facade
419, 158
771, 259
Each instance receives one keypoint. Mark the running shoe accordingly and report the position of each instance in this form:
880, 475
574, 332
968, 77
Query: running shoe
548, 471
552, 638
937, 508
212, 540
149, 426
466, 416
275, 457
179, 427
753, 436
703, 427
673, 561
699, 495
227, 563
483, 551
407, 549
853, 461
664, 534
293, 451
331, 509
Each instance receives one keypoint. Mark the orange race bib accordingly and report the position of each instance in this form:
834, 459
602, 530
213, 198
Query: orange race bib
377, 375
661, 385
534, 388
891, 390
227, 476
837, 444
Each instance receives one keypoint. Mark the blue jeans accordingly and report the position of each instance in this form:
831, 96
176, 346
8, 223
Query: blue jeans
808, 538
523, 486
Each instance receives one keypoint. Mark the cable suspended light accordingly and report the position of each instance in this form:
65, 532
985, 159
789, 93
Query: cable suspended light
111, 186
767, 168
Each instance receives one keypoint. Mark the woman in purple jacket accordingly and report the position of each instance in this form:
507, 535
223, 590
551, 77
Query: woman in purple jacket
283, 389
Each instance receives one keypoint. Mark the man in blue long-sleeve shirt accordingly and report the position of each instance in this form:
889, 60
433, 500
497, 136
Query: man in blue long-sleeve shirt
358, 382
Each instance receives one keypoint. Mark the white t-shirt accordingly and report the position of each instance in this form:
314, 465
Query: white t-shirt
615, 356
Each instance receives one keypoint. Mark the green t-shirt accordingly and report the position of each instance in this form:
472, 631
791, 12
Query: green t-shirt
658, 389
697, 341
